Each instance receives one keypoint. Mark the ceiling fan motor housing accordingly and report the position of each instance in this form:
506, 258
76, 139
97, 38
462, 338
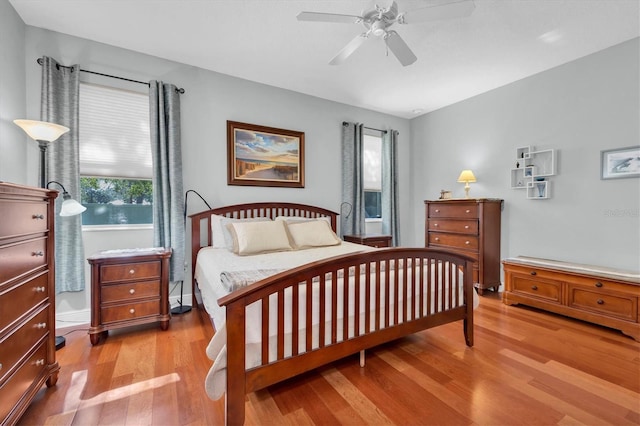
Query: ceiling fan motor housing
377, 21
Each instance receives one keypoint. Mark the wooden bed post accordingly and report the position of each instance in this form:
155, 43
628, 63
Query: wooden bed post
468, 296
236, 386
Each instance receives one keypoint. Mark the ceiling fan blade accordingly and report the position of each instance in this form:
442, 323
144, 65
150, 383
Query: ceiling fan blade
348, 49
399, 48
457, 9
328, 17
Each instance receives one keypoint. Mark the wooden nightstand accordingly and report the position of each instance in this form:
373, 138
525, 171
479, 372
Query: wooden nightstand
373, 240
128, 287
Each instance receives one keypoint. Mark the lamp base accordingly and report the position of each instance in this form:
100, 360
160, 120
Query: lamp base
60, 342
182, 309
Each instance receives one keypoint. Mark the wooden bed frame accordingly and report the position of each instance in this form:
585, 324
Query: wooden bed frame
422, 313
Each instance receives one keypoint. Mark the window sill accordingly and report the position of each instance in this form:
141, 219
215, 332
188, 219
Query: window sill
373, 220
110, 228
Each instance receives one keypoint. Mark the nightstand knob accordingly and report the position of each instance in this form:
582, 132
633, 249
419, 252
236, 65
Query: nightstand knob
437, 211
37, 216
466, 227
437, 239
467, 211
41, 325
40, 361
132, 311
598, 284
132, 271
435, 225
132, 291
467, 242
39, 289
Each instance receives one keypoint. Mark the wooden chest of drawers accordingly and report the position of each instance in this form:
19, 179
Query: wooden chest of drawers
600, 295
470, 227
128, 287
27, 292
373, 240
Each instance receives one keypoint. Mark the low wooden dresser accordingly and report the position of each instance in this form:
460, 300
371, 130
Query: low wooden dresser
128, 287
604, 296
27, 297
372, 240
468, 226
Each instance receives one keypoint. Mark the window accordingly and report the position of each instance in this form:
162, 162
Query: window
372, 174
115, 156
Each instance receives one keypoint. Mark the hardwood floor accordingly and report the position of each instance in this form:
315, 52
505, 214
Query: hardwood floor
527, 367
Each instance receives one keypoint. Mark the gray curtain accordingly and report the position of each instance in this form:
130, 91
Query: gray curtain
168, 198
390, 186
352, 208
59, 104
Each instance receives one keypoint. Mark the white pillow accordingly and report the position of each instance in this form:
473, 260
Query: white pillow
220, 234
293, 219
259, 237
315, 233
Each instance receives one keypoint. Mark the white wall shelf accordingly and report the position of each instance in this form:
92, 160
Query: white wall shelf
531, 171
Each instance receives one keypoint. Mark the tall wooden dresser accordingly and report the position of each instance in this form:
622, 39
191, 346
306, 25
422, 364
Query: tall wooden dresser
468, 226
27, 292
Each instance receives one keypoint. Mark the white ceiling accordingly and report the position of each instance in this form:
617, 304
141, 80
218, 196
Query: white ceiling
261, 40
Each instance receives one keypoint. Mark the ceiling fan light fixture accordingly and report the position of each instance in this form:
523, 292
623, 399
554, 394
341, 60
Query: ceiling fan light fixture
378, 28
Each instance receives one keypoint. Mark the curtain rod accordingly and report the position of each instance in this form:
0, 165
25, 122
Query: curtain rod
179, 90
344, 123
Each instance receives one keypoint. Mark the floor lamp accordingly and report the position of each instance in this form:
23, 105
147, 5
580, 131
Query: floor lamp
182, 309
45, 133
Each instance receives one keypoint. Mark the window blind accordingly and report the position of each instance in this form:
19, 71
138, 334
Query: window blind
372, 163
114, 133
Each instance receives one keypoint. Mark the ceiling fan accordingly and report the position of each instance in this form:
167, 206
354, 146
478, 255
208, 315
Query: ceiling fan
378, 21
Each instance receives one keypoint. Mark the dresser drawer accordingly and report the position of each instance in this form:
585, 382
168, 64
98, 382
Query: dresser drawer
22, 298
13, 389
460, 211
459, 226
129, 271
22, 340
462, 242
129, 311
538, 288
619, 306
18, 259
604, 285
131, 291
22, 217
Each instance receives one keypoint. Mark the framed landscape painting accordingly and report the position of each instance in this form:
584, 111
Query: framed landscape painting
620, 163
264, 156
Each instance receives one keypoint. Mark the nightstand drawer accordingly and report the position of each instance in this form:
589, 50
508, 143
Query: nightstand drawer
21, 258
130, 311
129, 271
458, 226
454, 241
372, 240
23, 298
130, 291
608, 304
459, 211
22, 340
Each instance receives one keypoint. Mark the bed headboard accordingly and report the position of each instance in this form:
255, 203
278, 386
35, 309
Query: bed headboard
201, 222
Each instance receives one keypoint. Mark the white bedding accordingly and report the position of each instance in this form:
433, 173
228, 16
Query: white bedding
212, 262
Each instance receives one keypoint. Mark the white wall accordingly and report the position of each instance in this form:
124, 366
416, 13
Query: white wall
579, 109
13, 141
210, 100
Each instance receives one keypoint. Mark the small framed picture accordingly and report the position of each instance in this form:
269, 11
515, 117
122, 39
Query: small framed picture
620, 163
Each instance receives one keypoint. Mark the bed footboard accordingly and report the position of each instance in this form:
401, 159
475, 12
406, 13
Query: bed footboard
321, 312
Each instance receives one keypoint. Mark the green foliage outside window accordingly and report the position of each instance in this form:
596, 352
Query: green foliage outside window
112, 201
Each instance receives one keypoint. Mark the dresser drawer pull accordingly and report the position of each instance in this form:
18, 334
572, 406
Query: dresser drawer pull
37, 216
437, 211
132, 311
40, 361
600, 302
534, 287
435, 225
41, 325
467, 242
132, 271
467, 211
466, 227
534, 273
37, 253
436, 239
598, 284
0, 366
40, 289
132, 291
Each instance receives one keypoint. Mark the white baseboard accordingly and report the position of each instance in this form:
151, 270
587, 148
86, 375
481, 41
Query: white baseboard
83, 316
